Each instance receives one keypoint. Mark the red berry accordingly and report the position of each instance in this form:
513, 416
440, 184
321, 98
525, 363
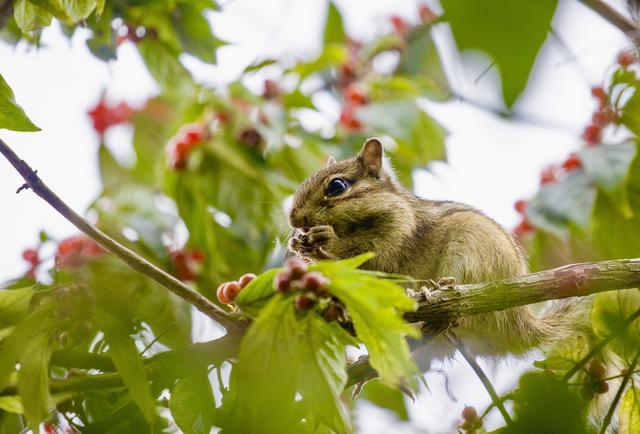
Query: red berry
49, 429
353, 95
187, 263
602, 387
626, 58
313, 281
231, 291
76, 251
296, 267
592, 134
282, 281
304, 302
348, 118
245, 279
105, 116
426, 14
601, 117
251, 138
31, 256
572, 163
224, 117
221, 294
192, 137
548, 175
469, 413
523, 227
399, 24
271, 89
520, 206
599, 93
596, 369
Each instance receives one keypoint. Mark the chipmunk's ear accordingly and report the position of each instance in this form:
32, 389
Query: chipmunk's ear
330, 161
371, 156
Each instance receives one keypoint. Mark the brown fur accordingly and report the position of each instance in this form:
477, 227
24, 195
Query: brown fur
421, 238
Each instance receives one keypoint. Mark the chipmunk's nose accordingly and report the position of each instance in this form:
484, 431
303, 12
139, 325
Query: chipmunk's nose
297, 219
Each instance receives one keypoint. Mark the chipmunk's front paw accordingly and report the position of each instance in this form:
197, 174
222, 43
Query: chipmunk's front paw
315, 243
446, 283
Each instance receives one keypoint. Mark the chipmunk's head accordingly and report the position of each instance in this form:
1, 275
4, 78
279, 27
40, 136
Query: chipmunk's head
349, 195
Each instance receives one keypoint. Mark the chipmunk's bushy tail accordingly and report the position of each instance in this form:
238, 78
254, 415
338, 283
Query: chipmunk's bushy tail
563, 319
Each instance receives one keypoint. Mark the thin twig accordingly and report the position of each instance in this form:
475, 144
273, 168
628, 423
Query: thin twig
134, 260
480, 373
616, 399
628, 26
595, 350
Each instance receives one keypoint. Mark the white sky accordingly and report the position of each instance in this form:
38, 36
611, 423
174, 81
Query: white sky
492, 162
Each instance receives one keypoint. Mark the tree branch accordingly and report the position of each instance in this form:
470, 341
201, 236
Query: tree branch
577, 280
629, 27
132, 259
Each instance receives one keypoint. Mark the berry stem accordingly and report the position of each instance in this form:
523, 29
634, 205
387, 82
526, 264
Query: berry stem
470, 358
135, 261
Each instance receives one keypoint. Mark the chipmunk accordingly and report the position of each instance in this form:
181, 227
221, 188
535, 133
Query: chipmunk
357, 205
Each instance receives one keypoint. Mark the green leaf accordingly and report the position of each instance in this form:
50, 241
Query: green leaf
562, 205
33, 380
12, 404
511, 32
629, 412
257, 293
29, 17
420, 63
79, 10
376, 307
334, 28
194, 32
564, 354
12, 117
544, 404
14, 304
165, 67
191, 404
608, 316
386, 397
609, 167
127, 360
332, 55
322, 371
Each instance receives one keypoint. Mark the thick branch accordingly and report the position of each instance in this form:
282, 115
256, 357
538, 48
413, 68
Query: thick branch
577, 280
629, 27
132, 259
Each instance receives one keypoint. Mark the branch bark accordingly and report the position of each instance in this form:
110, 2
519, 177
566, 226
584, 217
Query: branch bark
135, 261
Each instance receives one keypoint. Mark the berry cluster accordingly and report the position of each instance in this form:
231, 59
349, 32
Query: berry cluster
354, 97
187, 263
312, 285
189, 137
32, 257
105, 116
227, 292
471, 422
601, 118
76, 251
596, 384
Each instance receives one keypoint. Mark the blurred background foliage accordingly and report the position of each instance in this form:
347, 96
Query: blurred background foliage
205, 197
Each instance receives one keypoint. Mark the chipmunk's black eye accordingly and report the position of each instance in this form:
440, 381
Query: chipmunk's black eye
337, 186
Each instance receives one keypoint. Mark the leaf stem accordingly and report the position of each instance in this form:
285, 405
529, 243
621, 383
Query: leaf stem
497, 402
616, 399
626, 25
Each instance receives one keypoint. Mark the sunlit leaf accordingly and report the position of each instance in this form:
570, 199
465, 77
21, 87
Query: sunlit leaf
609, 314
629, 412
12, 117
386, 397
192, 405
334, 28
511, 32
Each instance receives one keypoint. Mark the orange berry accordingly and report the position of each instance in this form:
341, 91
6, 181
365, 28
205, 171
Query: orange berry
282, 281
221, 295
520, 206
245, 279
571, 163
231, 291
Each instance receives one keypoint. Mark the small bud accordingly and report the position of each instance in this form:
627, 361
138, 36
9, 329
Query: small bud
231, 291
304, 302
220, 293
296, 267
313, 281
245, 279
282, 281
